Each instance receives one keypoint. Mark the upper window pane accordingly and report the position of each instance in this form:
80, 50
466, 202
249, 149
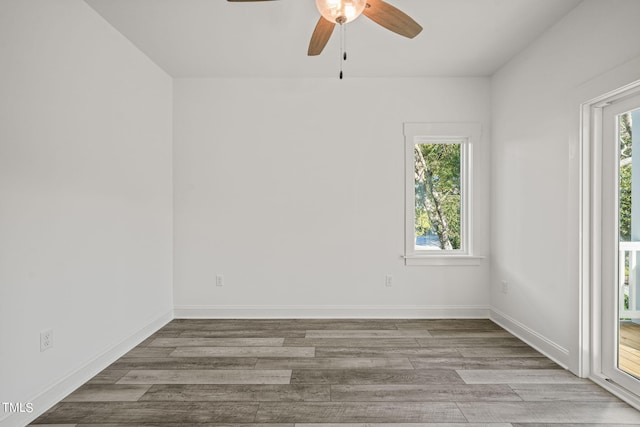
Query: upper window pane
438, 196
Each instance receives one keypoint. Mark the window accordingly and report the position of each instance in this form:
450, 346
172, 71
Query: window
438, 193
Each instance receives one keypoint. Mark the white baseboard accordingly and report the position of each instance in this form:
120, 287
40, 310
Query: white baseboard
59, 390
331, 311
553, 351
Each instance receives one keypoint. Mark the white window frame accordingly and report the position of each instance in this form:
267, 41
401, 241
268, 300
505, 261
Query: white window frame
465, 134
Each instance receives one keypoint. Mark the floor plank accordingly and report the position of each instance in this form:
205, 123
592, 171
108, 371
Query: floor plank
374, 376
569, 392
550, 412
499, 352
475, 342
244, 352
519, 376
107, 393
160, 334
469, 333
129, 363
359, 412
403, 425
239, 393
57, 425
108, 376
385, 352
368, 333
571, 425
217, 342
483, 363
335, 363
423, 393
151, 412
261, 333
184, 424
150, 352
206, 377
447, 324
351, 342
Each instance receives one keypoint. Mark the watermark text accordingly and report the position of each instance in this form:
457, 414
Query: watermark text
17, 407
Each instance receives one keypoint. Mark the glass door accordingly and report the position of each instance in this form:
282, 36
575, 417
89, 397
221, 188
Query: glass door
621, 242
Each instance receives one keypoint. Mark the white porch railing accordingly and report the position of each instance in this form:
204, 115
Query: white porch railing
629, 279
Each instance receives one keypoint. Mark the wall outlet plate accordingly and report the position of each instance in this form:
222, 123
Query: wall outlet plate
388, 281
46, 339
505, 286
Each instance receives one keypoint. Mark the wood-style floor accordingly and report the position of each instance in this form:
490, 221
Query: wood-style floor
333, 373
629, 350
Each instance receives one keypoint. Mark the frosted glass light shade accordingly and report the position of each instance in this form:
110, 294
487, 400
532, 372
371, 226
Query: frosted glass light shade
340, 11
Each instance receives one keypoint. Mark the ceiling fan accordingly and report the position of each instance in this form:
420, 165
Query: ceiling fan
343, 11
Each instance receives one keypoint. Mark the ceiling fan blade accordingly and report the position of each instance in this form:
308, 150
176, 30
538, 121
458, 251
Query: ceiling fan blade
320, 37
391, 18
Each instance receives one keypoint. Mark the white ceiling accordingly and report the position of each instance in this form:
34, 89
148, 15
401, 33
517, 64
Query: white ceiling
215, 38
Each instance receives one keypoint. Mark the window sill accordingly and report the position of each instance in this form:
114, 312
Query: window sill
443, 260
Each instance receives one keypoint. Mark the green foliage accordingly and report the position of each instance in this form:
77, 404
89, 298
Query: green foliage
624, 125
626, 302
625, 203
625, 177
423, 225
443, 167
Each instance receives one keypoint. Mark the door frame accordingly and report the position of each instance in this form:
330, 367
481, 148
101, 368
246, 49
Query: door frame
610, 262
590, 255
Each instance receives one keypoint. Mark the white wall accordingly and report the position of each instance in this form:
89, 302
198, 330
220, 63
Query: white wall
535, 166
85, 194
293, 190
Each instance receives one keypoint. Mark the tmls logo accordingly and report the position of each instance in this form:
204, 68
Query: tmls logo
17, 407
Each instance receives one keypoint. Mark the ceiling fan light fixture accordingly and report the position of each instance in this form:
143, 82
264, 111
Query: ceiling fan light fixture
340, 11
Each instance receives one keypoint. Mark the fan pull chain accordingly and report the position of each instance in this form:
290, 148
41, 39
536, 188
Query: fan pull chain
341, 47
343, 43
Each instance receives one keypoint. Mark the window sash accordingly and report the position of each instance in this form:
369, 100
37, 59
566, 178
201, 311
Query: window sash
463, 143
440, 133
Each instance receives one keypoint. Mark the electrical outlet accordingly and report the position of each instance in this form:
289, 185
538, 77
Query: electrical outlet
219, 280
388, 281
46, 339
505, 287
